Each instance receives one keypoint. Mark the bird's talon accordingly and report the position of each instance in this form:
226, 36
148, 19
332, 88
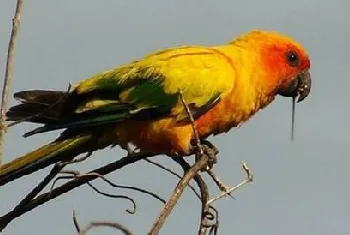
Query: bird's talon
208, 149
211, 146
129, 150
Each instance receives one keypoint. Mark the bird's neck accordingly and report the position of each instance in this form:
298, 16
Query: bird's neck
250, 92
254, 80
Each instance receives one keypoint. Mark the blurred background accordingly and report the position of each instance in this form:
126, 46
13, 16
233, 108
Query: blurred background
300, 187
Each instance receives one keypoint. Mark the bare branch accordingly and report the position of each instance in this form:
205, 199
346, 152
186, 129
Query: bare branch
16, 21
202, 162
133, 211
194, 129
204, 197
169, 206
248, 179
210, 152
69, 186
154, 195
114, 225
173, 173
75, 221
17, 211
77, 174
98, 224
218, 182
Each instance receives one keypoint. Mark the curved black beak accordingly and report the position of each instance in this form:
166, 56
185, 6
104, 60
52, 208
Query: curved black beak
300, 87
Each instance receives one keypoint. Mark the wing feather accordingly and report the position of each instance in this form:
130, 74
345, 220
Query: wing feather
148, 89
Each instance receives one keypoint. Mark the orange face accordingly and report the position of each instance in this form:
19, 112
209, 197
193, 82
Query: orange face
289, 64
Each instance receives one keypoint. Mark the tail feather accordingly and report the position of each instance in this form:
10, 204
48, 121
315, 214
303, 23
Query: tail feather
40, 96
54, 110
28, 112
40, 106
53, 152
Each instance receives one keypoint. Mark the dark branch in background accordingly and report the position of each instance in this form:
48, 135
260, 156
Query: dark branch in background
4, 220
16, 21
75, 174
114, 225
98, 191
75, 221
45, 197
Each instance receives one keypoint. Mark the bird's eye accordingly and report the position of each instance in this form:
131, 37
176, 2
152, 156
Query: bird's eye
292, 58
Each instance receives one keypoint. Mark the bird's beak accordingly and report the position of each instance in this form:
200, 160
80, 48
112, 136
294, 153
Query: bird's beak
299, 87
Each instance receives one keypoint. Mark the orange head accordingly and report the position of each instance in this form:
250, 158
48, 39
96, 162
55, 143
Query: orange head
284, 60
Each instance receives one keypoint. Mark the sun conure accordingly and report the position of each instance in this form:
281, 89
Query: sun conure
140, 103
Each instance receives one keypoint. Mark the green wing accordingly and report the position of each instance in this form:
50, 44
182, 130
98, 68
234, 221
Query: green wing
146, 90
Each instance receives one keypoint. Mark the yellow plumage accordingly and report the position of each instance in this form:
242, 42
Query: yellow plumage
139, 102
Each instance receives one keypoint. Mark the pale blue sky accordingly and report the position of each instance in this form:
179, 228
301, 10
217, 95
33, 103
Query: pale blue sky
300, 187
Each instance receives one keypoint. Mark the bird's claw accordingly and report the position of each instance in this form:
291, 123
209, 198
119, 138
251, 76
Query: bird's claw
207, 148
128, 148
208, 144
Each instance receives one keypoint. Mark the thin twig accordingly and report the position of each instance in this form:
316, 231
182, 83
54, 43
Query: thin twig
206, 215
114, 225
205, 210
133, 211
16, 21
173, 173
248, 179
75, 221
218, 182
137, 189
69, 186
75, 174
98, 224
169, 206
194, 129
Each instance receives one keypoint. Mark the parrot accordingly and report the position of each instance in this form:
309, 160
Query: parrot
141, 103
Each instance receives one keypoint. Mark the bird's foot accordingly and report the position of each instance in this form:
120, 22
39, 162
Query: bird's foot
204, 148
207, 148
128, 148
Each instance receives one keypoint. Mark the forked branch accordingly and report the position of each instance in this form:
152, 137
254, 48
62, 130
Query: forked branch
248, 179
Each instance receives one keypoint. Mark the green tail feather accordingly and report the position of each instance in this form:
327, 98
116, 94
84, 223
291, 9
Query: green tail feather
61, 149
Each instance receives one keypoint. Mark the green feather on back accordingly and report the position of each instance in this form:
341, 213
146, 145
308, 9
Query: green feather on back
140, 91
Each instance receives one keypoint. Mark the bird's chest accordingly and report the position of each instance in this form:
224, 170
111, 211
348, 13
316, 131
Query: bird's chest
230, 113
